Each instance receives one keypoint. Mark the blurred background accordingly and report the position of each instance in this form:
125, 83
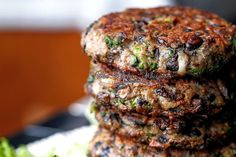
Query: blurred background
42, 66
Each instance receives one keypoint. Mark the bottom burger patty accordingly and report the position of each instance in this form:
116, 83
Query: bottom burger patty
106, 144
163, 132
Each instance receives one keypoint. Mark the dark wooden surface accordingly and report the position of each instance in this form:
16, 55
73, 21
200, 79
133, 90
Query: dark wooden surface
41, 73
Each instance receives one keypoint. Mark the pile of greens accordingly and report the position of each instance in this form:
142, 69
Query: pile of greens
7, 150
77, 148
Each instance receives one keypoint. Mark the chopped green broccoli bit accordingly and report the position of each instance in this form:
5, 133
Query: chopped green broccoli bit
6, 150
171, 54
134, 60
112, 43
120, 101
23, 152
153, 66
141, 65
133, 103
173, 68
91, 79
197, 71
141, 60
168, 20
215, 68
51, 154
102, 113
164, 19
137, 50
93, 108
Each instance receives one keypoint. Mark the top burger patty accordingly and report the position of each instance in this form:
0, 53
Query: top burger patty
176, 41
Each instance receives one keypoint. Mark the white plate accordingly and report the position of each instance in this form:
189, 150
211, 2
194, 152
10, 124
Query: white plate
69, 144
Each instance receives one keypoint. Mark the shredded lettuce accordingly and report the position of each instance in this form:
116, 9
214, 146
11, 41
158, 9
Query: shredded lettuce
7, 150
73, 148
90, 114
77, 148
22, 151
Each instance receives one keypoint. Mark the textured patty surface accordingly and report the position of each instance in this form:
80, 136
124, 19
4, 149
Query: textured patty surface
162, 132
168, 40
105, 144
169, 97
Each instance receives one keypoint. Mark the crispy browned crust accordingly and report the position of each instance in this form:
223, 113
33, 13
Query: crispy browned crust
106, 144
168, 97
162, 132
170, 40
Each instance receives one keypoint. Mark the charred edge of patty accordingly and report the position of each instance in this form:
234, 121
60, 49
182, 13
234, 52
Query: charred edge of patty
117, 145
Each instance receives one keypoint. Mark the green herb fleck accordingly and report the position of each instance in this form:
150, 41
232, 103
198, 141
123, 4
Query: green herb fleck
197, 71
112, 43
51, 153
164, 19
120, 101
134, 60
91, 79
232, 96
133, 103
137, 49
141, 65
122, 146
23, 152
216, 154
168, 20
140, 59
93, 108
153, 66
102, 113
172, 67
6, 150
234, 42
215, 68
218, 65
171, 54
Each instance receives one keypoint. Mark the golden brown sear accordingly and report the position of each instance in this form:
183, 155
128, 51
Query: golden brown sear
175, 41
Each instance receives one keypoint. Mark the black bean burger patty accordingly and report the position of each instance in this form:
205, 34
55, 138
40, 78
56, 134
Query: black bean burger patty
169, 97
162, 132
167, 40
106, 144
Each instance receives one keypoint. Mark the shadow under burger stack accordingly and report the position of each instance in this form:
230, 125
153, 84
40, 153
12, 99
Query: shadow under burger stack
164, 83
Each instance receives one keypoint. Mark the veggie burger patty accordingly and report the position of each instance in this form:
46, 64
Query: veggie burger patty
106, 144
169, 97
163, 132
167, 40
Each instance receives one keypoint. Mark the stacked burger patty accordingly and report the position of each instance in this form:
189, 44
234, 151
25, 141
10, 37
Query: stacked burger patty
164, 83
